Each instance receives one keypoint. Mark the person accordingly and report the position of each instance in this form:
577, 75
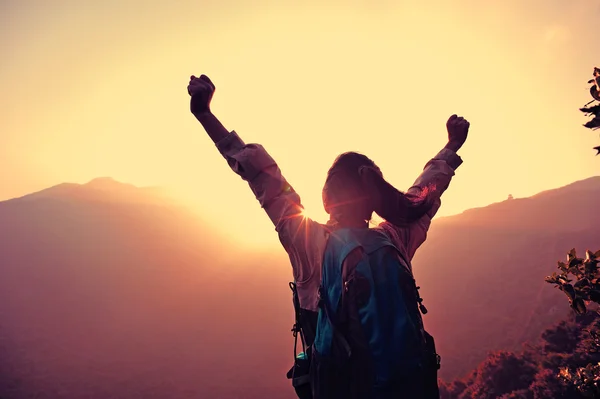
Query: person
354, 189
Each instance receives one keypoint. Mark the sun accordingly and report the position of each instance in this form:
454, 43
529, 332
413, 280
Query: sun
313, 215
304, 214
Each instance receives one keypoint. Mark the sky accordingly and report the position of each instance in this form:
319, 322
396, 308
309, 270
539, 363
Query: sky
92, 89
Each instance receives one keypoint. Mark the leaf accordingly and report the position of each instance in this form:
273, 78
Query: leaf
590, 367
597, 254
589, 255
584, 282
569, 292
574, 262
594, 295
564, 280
564, 372
591, 267
572, 254
579, 306
562, 266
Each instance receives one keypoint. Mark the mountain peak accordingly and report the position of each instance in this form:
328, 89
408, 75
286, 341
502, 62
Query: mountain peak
102, 179
107, 183
100, 189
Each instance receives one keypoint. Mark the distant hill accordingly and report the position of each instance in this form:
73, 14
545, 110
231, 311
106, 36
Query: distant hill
109, 290
101, 189
482, 272
113, 291
564, 208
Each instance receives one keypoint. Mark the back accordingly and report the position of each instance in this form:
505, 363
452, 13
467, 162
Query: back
370, 340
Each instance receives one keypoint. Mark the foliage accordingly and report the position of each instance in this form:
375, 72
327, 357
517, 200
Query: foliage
534, 373
586, 287
585, 379
565, 364
582, 291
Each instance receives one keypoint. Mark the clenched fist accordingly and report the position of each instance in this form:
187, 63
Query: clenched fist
458, 129
201, 90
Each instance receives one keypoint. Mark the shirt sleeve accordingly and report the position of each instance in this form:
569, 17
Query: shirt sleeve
277, 197
435, 178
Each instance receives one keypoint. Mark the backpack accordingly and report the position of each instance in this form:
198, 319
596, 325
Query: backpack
367, 339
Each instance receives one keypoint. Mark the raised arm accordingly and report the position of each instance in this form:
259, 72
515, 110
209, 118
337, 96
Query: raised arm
408, 215
250, 161
254, 165
435, 179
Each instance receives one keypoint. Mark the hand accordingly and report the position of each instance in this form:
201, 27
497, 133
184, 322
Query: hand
201, 90
458, 129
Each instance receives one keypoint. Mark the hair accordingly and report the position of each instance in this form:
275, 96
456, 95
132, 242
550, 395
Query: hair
355, 188
596, 70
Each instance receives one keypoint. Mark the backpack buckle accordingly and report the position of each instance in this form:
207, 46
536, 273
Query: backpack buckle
422, 307
296, 329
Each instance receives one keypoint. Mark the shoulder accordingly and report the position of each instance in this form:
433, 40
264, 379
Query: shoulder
303, 232
397, 235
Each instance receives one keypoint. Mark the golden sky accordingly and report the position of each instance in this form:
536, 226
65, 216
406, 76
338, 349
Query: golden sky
98, 88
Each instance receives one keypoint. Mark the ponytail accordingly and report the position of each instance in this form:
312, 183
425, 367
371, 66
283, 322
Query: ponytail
389, 203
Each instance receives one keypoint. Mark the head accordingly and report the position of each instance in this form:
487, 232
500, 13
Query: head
596, 71
344, 196
355, 188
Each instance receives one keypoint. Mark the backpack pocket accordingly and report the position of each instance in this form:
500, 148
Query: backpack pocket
432, 365
300, 375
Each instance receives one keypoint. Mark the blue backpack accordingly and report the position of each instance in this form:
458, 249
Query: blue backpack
367, 339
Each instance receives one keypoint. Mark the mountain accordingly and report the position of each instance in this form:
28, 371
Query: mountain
110, 290
101, 189
482, 272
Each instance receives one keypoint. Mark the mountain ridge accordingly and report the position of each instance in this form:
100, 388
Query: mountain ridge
538, 211
107, 184
101, 189
107, 298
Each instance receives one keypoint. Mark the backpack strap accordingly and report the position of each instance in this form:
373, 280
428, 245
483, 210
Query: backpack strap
299, 374
323, 304
376, 240
297, 327
340, 244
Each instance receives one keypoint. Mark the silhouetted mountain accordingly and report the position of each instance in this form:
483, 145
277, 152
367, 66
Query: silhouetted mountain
482, 271
102, 189
563, 208
108, 290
